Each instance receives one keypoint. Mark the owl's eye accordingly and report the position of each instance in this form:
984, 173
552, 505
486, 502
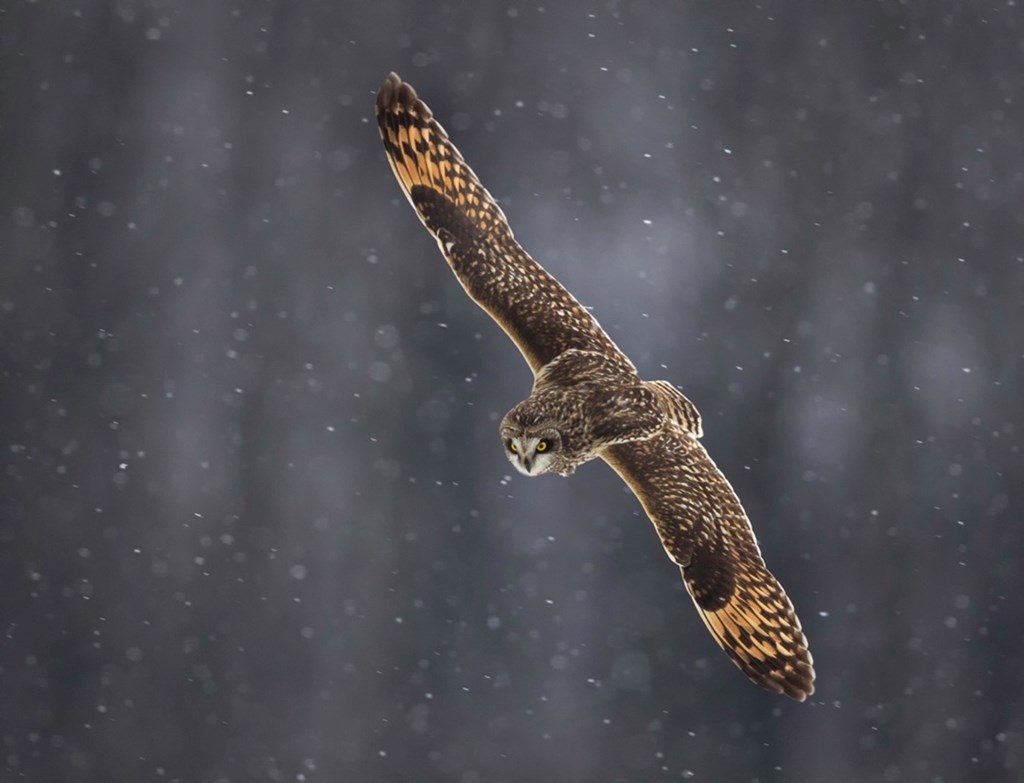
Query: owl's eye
542, 446
512, 446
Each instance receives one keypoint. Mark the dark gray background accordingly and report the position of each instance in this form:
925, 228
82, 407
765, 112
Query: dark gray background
256, 520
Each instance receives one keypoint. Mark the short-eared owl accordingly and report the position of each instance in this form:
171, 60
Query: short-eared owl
588, 401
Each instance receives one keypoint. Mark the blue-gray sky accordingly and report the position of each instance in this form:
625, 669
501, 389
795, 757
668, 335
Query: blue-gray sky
256, 521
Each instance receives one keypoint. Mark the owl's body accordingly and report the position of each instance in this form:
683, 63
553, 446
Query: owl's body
589, 402
593, 402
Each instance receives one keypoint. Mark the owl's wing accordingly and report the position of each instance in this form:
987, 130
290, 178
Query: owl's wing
541, 317
705, 530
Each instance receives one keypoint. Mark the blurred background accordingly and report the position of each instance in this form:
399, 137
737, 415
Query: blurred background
256, 520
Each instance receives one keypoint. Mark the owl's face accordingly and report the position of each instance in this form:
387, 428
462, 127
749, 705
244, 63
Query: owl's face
536, 438
533, 450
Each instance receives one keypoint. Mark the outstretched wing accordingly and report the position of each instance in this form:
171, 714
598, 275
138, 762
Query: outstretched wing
705, 530
541, 317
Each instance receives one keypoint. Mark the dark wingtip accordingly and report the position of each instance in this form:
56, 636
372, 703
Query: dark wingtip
388, 90
794, 679
395, 92
799, 684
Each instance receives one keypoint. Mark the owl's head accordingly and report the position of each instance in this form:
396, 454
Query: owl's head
534, 442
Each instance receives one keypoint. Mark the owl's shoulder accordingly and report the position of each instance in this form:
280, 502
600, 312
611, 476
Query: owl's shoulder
586, 368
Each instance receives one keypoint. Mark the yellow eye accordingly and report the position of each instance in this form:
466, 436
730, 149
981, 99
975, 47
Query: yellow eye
512, 446
542, 446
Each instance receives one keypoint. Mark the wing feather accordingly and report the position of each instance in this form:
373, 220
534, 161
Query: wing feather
541, 317
706, 532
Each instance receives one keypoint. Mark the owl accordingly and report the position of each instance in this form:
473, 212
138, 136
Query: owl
589, 402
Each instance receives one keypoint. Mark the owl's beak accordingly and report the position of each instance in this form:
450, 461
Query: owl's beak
528, 463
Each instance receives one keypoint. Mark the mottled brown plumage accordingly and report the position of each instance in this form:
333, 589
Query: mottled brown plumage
588, 402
